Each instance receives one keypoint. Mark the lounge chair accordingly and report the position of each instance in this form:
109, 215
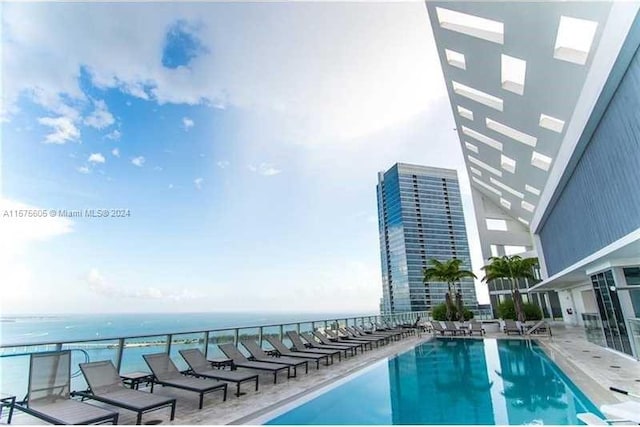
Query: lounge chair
510, 326
298, 345
167, 374
380, 333
397, 333
452, 327
105, 385
326, 341
260, 356
305, 354
628, 411
348, 339
354, 334
241, 361
310, 339
437, 328
201, 367
477, 328
49, 395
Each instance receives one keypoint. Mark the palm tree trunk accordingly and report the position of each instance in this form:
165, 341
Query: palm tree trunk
517, 301
460, 306
449, 303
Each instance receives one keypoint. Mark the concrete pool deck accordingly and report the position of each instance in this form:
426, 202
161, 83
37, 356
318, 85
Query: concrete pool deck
592, 368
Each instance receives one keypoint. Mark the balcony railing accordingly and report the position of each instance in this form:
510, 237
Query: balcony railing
126, 352
634, 330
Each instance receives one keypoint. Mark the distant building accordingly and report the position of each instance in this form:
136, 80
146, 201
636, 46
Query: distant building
420, 217
545, 98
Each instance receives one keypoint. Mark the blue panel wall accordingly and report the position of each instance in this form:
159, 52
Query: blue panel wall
601, 200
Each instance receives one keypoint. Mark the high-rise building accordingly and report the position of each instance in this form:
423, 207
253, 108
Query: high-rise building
420, 217
545, 99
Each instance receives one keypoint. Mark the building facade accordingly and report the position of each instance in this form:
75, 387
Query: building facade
420, 217
546, 98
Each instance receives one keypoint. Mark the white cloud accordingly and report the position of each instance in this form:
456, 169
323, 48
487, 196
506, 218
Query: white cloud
83, 169
138, 161
170, 187
19, 234
96, 158
266, 169
114, 135
115, 152
222, 164
64, 130
157, 168
98, 283
325, 86
100, 118
198, 183
187, 123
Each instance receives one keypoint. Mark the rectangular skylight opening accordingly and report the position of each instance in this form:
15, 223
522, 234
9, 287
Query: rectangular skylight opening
482, 138
514, 250
484, 166
524, 221
574, 39
471, 147
506, 188
471, 25
477, 95
511, 133
513, 73
551, 123
475, 171
495, 224
540, 161
532, 190
486, 186
507, 163
527, 206
505, 203
455, 59
467, 114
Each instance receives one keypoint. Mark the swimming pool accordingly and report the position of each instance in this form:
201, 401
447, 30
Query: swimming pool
450, 381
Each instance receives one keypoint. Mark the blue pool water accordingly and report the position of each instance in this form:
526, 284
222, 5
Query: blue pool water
452, 382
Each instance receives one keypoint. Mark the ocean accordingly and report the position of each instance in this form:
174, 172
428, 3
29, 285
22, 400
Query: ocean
21, 335
37, 329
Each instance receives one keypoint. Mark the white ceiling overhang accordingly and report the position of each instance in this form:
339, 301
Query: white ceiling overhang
514, 73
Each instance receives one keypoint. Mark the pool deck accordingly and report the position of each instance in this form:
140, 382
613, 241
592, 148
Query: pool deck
592, 368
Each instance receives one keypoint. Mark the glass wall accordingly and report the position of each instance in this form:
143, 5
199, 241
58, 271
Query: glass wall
613, 322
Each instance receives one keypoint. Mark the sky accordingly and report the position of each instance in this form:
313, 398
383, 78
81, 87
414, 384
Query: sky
241, 141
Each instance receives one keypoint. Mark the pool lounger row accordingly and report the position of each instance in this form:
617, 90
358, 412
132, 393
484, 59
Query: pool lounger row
49, 396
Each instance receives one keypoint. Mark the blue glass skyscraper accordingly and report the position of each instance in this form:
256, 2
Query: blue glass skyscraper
420, 217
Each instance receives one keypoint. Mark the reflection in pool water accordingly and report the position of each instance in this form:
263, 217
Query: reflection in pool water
451, 381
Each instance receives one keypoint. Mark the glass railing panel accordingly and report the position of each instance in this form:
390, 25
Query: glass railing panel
134, 348
269, 331
14, 368
91, 351
219, 337
306, 327
251, 334
285, 328
182, 342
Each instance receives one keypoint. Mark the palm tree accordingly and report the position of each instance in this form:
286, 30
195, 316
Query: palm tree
513, 268
448, 271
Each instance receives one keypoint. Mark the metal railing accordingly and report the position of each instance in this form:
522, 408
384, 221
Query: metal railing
634, 331
126, 352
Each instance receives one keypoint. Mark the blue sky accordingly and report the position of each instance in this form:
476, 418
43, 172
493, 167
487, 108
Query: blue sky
244, 139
